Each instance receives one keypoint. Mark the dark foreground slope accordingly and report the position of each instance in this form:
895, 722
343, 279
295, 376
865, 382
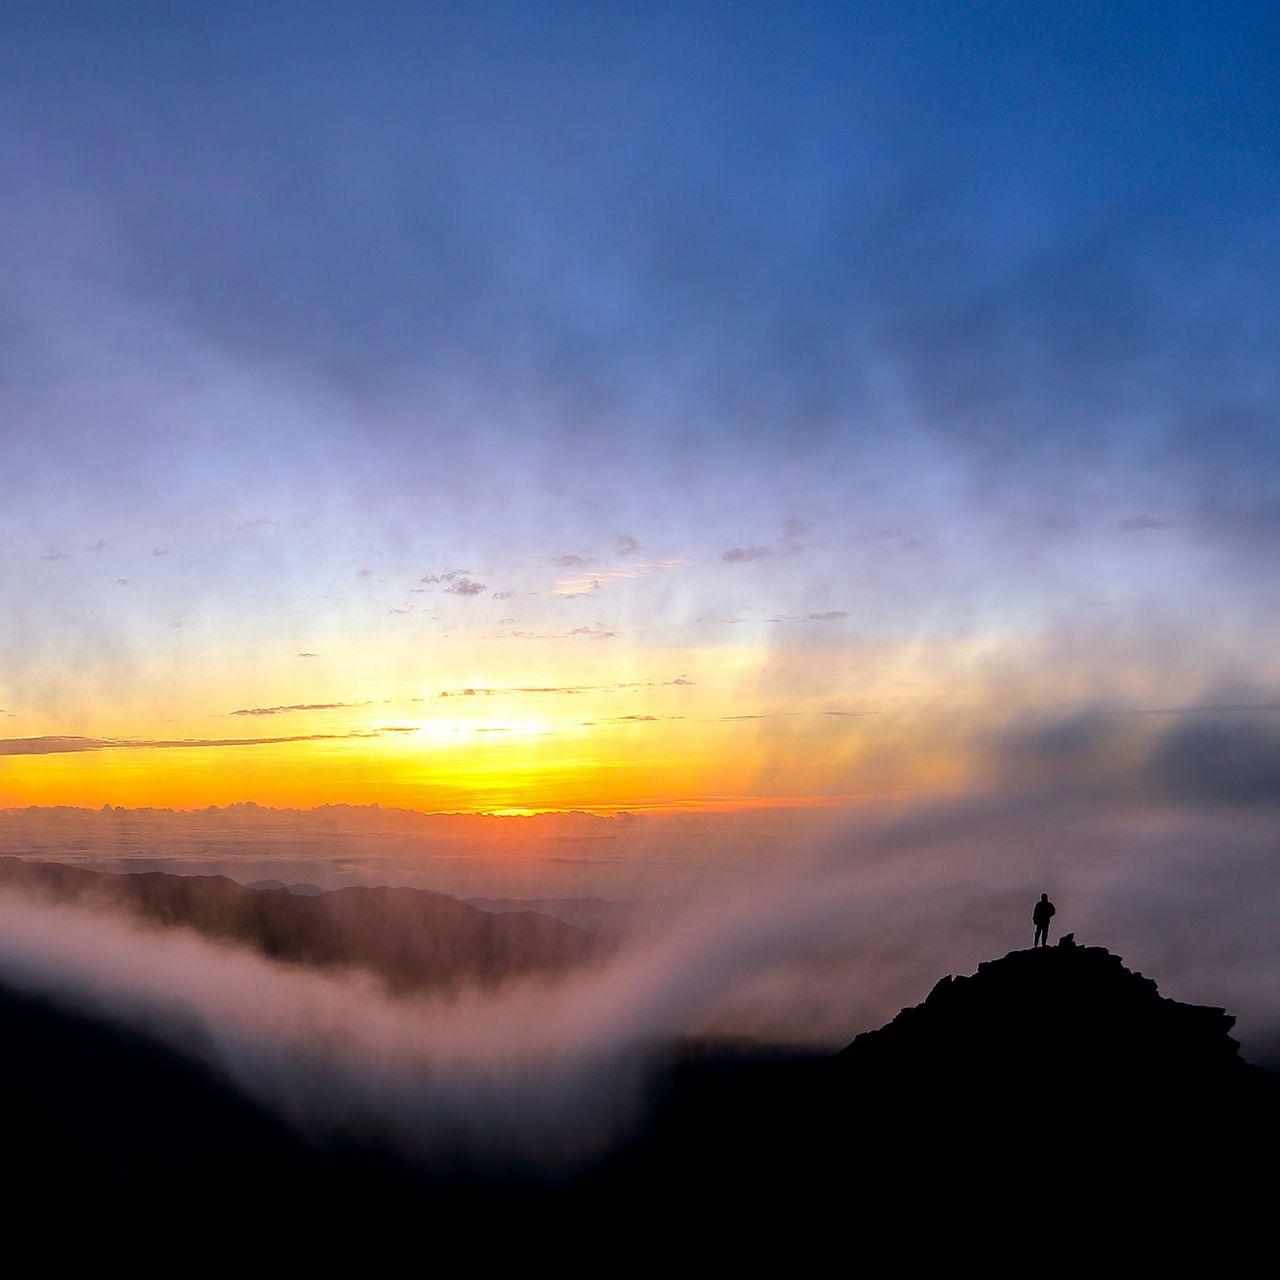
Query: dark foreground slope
1051, 1086
1052, 1100
413, 938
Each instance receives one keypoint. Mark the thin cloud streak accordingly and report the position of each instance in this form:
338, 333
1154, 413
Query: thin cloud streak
64, 744
298, 706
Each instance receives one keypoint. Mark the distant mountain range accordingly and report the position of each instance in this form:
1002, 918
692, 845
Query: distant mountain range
596, 915
303, 890
413, 938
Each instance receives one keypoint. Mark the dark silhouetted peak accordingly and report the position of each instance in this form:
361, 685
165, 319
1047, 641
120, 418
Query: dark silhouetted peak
1064, 1011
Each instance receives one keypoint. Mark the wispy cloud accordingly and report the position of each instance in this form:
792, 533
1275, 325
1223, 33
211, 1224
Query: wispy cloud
454, 582
599, 633
588, 584
744, 555
891, 538
793, 529
62, 744
297, 706
492, 691
826, 615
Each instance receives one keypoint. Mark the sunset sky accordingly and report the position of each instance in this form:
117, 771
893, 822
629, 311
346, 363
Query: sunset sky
518, 407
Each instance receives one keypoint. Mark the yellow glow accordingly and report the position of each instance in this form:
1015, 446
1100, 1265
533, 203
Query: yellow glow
596, 735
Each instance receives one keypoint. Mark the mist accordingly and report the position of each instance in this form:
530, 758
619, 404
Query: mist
821, 940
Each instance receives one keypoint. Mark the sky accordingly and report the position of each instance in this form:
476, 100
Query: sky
508, 407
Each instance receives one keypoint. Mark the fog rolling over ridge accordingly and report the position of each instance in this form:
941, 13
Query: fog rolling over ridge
820, 942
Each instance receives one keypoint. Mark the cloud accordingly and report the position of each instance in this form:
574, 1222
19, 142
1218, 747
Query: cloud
59, 745
1135, 524
457, 582
743, 555
159, 551
597, 632
364, 573
915, 890
298, 706
792, 530
122, 582
827, 615
573, 561
491, 692
100, 545
571, 588
627, 545
306, 654
55, 554
1218, 753
892, 538
1219, 760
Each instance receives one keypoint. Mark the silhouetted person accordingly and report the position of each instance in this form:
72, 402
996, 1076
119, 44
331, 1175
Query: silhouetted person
1040, 917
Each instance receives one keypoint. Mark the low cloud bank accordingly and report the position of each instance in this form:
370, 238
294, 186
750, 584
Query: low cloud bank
810, 945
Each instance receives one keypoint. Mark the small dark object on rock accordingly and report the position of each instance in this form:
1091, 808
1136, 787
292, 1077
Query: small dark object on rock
1067, 940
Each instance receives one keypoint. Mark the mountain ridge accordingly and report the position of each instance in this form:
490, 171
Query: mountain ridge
411, 938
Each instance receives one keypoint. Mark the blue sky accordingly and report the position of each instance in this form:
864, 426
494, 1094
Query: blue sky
788, 331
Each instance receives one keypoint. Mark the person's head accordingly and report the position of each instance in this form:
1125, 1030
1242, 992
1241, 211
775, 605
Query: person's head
1044, 897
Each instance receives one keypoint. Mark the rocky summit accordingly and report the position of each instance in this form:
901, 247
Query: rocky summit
1064, 1009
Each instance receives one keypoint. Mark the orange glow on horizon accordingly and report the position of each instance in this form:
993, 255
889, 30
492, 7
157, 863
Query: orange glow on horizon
593, 738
